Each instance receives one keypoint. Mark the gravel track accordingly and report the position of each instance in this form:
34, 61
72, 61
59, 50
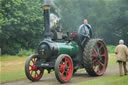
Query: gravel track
79, 76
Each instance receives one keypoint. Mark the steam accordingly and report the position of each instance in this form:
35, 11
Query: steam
53, 17
57, 10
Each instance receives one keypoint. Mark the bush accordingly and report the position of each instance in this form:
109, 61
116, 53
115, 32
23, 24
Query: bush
111, 48
25, 53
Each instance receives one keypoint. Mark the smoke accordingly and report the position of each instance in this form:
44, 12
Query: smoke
55, 15
53, 19
57, 10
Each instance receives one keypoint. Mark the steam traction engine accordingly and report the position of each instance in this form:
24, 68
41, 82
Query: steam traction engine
66, 54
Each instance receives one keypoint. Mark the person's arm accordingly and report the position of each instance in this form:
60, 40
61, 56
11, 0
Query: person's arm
126, 50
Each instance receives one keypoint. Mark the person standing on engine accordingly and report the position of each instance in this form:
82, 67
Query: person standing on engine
121, 52
84, 28
85, 32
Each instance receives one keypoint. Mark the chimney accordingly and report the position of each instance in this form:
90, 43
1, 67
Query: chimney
46, 6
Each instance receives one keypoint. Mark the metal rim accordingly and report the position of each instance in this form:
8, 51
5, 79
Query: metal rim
99, 58
65, 68
36, 73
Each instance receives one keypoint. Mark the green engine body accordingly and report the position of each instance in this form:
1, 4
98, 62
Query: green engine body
70, 48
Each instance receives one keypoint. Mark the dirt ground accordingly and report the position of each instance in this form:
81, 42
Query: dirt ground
79, 76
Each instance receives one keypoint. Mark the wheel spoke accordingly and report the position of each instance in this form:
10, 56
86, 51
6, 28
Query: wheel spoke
94, 61
67, 73
101, 46
61, 68
95, 54
69, 64
30, 69
62, 75
66, 60
61, 62
36, 73
97, 48
30, 66
101, 63
103, 55
33, 60
31, 72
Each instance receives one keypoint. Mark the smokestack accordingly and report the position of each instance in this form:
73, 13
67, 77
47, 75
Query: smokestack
46, 6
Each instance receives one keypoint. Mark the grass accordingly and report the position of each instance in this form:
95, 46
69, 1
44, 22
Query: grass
111, 59
12, 68
109, 80
12, 76
111, 48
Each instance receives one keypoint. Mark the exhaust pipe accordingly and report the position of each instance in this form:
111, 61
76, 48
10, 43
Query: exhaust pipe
46, 6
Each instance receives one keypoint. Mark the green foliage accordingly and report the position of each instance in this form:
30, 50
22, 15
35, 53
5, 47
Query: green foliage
111, 48
108, 17
21, 25
25, 53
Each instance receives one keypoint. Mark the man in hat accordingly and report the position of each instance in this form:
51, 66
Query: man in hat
121, 52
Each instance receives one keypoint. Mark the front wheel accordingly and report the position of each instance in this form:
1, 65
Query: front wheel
63, 68
32, 72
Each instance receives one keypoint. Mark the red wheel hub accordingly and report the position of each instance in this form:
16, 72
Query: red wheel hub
99, 58
66, 68
34, 68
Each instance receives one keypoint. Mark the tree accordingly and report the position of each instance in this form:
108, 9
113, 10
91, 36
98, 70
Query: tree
107, 17
21, 24
21, 21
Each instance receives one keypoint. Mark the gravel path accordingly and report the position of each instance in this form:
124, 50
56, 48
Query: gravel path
77, 77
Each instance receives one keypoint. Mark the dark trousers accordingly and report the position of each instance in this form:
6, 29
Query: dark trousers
121, 66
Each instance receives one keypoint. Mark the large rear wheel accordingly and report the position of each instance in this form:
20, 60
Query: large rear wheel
63, 68
32, 72
95, 57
